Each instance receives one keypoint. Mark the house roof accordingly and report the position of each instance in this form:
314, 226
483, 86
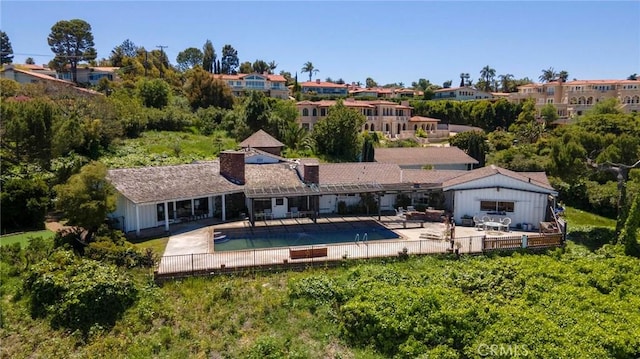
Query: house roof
359, 172
261, 139
434, 177
418, 156
423, 119
321, 84
276, 175
463, 128
153, 184
53, 80
537, 178
269, 77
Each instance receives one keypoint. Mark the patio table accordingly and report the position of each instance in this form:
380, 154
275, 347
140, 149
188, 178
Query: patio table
493, 225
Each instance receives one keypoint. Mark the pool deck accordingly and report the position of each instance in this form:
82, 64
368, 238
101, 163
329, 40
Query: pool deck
192, 250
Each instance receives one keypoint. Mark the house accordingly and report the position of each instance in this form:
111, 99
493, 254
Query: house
461, 94
323, 88
271, 85
382, 92
574, 98
264, 186
437, 158
525, 197
50, 83
386, 116
90, 74
264, 142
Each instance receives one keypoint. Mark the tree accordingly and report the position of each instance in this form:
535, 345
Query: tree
370, 83
336, 136
549, 114
563, 76
229, 60
474, 143
633, 77
287, 77
125, 50
245, 68
272, 67
548, 75
261, 67
629, 236
6, 51
256, 110
506, 82
447, 84
487, 74
368, 151
154, 93
29, 61
308, 67
464, 79
24, 202
86, 198
208, 56
72, 42
203, 90
189, 58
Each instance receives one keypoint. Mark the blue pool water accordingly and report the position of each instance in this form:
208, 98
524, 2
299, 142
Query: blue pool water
272, 240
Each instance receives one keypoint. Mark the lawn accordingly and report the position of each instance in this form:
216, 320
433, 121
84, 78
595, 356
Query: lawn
156, 244
578, 217
23, 238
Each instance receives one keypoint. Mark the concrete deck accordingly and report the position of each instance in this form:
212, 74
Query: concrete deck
192, 249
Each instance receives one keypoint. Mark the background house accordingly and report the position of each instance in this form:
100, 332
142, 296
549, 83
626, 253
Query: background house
437, 158
270, 85
323, 88
264, 142
461, 94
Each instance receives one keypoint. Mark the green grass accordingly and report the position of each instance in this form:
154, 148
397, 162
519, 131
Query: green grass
156, 244
577, 217
159, 148
23, 238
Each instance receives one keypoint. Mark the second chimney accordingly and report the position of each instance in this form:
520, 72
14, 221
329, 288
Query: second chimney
232, 166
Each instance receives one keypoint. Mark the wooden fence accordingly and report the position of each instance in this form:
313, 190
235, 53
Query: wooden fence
546, 240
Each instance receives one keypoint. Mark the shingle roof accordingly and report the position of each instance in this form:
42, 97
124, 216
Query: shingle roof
360, 172
414, 156
434, 177
261, 139
537, 178
271, 176
153, 184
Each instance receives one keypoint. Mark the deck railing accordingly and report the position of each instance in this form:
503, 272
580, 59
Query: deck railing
273, 259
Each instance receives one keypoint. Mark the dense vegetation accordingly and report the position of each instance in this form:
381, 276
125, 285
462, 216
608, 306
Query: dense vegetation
583, 302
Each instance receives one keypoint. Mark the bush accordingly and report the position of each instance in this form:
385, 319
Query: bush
78, 293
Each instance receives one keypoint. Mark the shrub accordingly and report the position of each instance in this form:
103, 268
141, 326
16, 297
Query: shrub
78, 293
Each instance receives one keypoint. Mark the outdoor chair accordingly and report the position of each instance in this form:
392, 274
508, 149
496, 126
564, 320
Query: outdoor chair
505, 223
295, 212
268, 214
400, 212
479, 223
411, 208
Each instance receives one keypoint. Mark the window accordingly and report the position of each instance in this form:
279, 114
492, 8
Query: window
305, 126
496, 206
305, 112
314, 112
323, 112
279, 201
160, 212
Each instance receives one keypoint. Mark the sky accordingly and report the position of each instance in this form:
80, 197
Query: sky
391, 42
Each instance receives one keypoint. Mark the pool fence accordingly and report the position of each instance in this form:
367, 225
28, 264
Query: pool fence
283, 258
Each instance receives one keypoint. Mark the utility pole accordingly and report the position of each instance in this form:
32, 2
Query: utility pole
161, 47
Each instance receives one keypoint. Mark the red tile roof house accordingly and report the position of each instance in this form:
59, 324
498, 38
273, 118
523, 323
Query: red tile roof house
266, 186
271, 85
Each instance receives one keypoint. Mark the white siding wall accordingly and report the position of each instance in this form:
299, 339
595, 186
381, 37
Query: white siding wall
327, 204
529, 207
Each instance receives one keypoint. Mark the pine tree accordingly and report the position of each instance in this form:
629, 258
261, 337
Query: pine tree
6, 51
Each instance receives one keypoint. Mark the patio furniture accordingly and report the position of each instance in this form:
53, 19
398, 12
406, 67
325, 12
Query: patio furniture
492, 225
267, 214
479, 223
410, 208
400, 212
294, 212
505, 223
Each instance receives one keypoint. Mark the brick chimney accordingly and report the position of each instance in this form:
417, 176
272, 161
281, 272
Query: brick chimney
311, 173
232, 166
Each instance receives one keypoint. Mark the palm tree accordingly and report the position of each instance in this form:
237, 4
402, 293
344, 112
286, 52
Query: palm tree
548, 75
308, 67
487, 74
563, 76
272, 67
505, 82
633, 77
464, 79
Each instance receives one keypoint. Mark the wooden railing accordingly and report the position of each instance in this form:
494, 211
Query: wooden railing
525, 241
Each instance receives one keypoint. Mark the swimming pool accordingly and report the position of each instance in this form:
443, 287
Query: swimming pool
295, 237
